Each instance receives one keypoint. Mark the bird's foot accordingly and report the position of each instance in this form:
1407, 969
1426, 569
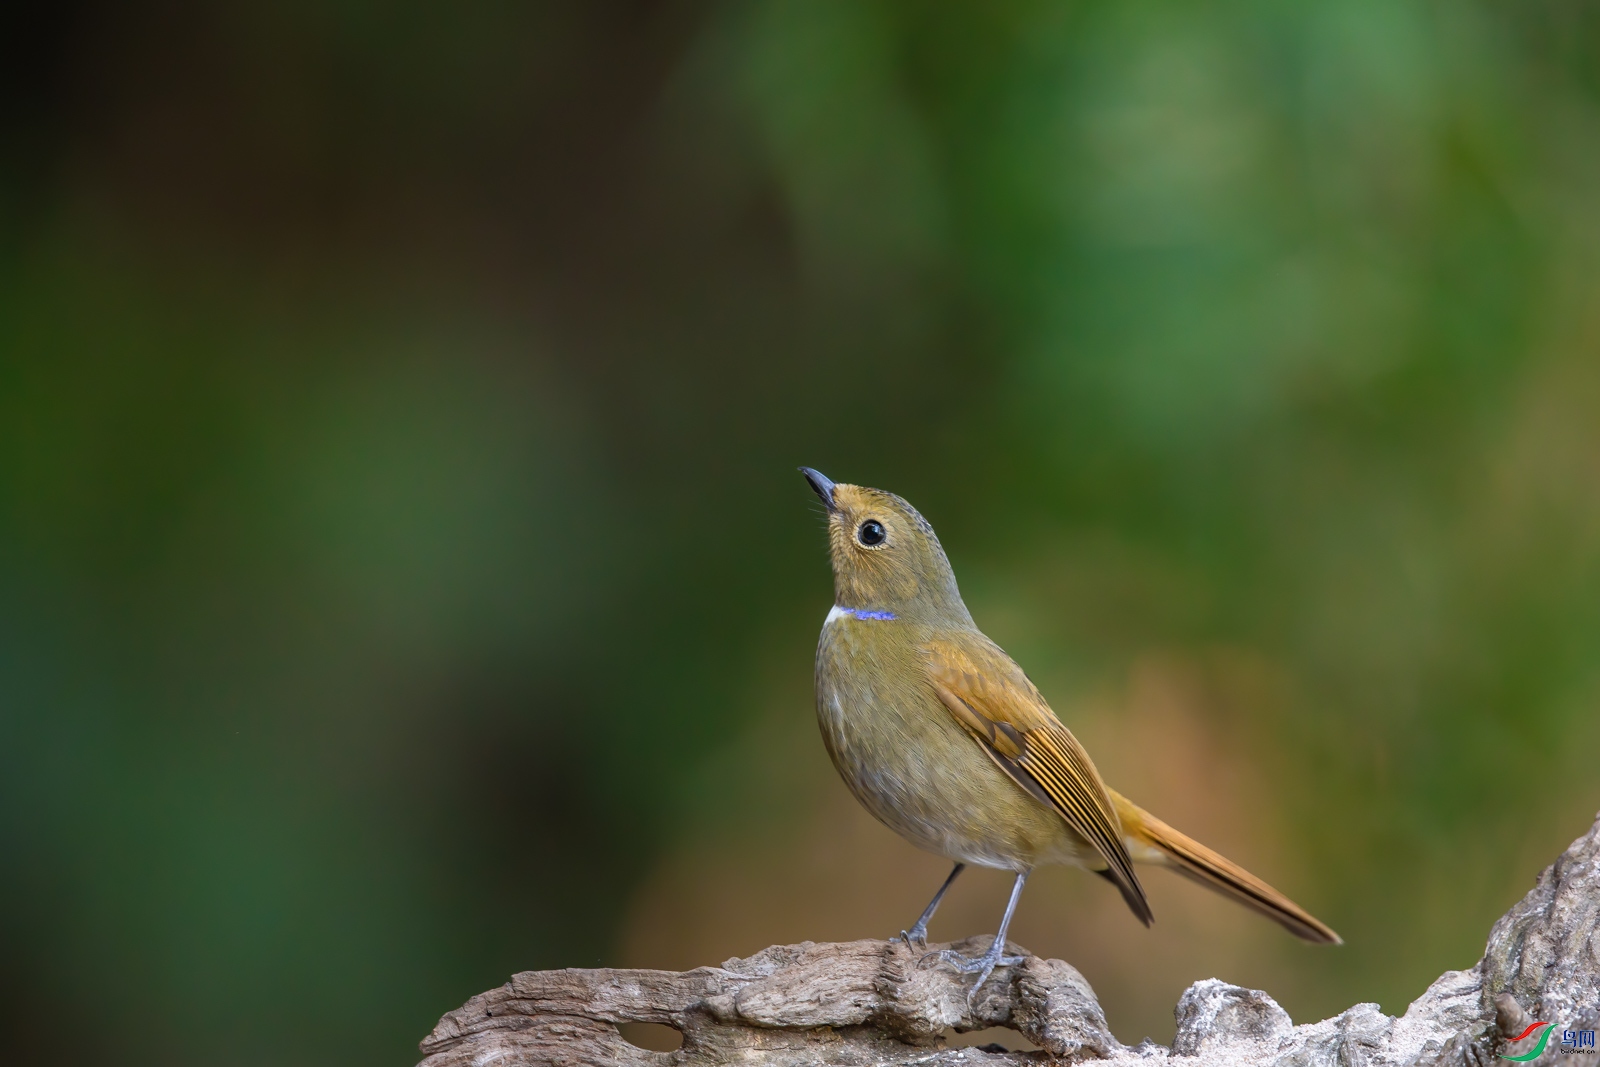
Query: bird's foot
982, 966
916, 936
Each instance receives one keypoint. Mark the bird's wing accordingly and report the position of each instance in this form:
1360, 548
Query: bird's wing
990, 696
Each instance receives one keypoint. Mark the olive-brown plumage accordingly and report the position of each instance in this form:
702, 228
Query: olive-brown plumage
942, 737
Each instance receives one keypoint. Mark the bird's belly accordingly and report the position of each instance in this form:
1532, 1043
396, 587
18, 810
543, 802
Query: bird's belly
918, 772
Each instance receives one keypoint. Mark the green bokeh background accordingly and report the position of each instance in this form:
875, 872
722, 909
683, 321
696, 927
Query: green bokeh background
399, 406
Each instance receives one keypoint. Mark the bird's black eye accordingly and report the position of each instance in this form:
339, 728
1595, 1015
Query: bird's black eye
871, 533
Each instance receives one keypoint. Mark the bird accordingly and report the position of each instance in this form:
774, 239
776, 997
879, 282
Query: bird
945, 740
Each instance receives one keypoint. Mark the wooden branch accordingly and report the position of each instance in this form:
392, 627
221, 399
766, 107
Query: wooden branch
869, 1003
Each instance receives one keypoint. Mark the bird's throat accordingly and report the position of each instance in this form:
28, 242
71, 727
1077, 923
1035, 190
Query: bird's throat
864, 614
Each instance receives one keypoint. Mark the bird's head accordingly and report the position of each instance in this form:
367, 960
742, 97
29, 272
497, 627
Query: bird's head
885, 555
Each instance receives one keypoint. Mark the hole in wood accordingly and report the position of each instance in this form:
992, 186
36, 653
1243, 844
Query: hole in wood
1008, 1040
655, 1037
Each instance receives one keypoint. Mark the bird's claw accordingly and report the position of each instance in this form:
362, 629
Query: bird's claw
973, 964
916, 937
982, 966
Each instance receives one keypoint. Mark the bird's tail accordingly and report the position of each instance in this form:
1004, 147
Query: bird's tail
1153, 841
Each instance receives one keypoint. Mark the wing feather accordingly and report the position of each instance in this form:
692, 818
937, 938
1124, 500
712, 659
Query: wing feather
989, 695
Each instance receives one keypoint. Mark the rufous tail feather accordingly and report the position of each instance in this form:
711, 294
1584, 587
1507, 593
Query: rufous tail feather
1190, 858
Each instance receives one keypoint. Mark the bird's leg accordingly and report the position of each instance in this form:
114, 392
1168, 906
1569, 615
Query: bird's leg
918, 934
985, 964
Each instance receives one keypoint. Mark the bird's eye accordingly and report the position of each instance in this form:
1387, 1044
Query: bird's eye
871, 533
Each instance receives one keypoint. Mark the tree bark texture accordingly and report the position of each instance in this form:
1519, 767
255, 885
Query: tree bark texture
870, 1004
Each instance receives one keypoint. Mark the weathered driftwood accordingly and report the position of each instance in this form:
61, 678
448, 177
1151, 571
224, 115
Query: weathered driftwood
870, 1003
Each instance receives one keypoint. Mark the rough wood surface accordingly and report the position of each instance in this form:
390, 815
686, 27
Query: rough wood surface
868, 1003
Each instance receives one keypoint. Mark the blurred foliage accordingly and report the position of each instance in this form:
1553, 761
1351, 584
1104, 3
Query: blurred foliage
398, 408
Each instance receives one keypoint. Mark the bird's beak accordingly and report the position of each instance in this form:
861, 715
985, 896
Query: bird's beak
821, 484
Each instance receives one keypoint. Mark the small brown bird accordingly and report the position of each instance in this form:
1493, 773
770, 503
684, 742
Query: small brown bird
945, 740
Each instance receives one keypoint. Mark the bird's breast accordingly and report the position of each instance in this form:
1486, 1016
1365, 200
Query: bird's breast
908, 761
